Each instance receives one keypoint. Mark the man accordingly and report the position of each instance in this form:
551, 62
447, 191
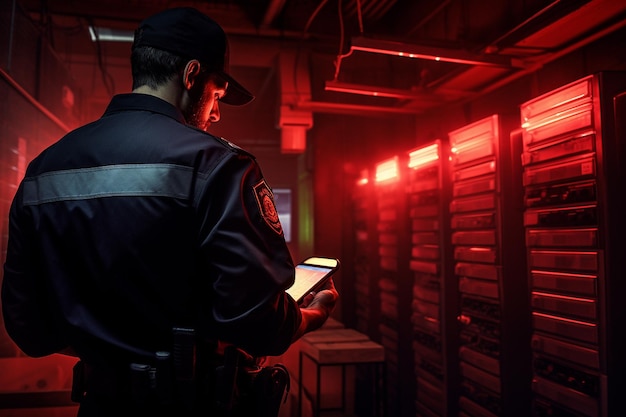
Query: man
139, 239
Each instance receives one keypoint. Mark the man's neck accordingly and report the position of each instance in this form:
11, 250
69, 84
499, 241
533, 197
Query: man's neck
167, 93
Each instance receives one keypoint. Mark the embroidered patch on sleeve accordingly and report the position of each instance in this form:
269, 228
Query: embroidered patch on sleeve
265, 200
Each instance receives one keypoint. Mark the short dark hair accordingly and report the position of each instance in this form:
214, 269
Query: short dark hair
154, 67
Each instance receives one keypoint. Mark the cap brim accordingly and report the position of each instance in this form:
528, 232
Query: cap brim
236, 94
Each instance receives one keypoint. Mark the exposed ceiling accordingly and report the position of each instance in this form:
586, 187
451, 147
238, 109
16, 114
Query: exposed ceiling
464, 48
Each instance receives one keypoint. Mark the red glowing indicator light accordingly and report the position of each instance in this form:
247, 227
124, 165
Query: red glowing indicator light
562, 297
572, 102
364, 178
473, 145
423, 156
387, 170
563, 319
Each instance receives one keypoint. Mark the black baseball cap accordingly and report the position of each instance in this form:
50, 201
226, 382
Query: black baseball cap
186, 32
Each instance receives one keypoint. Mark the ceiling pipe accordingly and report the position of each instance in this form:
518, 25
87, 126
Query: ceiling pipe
273, 10
370, 9
428, 17
32, 100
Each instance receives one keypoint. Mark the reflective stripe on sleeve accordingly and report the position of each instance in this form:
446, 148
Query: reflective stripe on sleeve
139, 180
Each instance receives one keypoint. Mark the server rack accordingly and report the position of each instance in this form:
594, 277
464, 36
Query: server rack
394, 286
434, 293
572, 180
493, 350
366, 301
364, 224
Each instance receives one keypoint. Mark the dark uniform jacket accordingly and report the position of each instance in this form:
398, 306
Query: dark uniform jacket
136, 223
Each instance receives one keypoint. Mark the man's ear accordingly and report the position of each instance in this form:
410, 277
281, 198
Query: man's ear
190, 74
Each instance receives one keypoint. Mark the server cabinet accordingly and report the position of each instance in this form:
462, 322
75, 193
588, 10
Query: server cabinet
572, 179
366, 301
434, 292
394, 285
487, 240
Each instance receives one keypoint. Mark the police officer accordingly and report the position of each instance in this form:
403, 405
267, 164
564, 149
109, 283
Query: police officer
142, 222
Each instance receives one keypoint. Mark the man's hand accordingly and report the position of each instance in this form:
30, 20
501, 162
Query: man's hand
316, 308
326, 297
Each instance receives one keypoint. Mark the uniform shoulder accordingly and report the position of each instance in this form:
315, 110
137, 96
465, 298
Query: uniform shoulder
228, 144
234, 147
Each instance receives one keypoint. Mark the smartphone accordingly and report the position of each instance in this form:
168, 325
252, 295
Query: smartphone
311, 274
